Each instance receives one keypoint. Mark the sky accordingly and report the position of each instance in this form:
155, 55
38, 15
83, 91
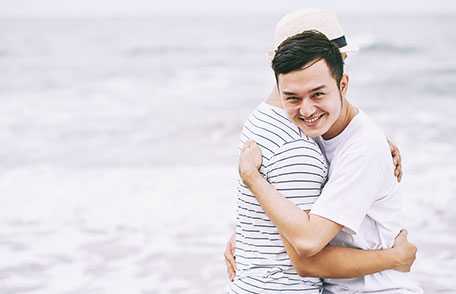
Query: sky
109, 8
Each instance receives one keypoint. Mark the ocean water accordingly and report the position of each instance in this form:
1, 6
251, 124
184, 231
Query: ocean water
119, 143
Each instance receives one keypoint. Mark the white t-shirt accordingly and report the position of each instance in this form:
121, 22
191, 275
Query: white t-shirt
361, 195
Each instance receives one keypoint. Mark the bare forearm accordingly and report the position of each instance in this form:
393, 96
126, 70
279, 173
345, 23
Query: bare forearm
308, 234
341, 262
292, 222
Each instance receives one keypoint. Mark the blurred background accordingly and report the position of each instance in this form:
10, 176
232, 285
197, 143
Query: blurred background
119, 125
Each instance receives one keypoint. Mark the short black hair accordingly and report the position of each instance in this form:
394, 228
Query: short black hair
309, 46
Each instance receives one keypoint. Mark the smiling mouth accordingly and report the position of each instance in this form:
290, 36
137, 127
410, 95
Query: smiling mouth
313, 119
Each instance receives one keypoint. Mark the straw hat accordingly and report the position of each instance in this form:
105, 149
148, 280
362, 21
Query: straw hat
311, 19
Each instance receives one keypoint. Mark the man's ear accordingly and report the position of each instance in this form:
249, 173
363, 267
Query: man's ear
343, 85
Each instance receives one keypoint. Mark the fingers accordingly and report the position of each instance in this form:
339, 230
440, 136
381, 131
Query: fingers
397, 160
406, 251
398, 174
393, 146
233, 250
250, 160
397, 165
401, 239
230, 265
249, 143
395, 152
232, 245
246, 144
404, 233
230, 258
230, 270
396, 157
246, 147
402, 236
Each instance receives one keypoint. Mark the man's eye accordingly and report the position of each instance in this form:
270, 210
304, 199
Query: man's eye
318, 94
292, 99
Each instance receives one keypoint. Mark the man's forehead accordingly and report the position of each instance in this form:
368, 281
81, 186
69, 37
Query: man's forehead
306, 79
313, 68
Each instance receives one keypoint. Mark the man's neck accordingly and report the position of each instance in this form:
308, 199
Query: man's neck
347, 113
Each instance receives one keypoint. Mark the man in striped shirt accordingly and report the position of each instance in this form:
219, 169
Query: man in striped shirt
295, 165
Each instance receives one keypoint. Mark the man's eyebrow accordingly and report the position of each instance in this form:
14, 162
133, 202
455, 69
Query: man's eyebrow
289, 93
318, 88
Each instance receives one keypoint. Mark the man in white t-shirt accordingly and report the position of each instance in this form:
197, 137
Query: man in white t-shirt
358, 206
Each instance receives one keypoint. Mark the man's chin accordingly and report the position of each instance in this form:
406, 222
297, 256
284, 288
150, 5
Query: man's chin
312, 132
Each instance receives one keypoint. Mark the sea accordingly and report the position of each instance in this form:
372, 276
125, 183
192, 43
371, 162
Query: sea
119, 143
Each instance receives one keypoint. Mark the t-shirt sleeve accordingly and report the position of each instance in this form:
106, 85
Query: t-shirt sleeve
351, 190
298, 171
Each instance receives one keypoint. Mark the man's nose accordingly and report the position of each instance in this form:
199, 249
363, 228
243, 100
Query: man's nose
307, 108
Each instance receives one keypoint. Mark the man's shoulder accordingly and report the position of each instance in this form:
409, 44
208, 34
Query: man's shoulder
367, 136
372, 136
366, 145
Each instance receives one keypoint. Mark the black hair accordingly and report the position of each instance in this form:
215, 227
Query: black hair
304, 49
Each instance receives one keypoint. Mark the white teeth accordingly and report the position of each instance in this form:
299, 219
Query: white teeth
311, 120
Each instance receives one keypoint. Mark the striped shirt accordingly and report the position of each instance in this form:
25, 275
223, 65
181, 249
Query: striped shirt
295, 165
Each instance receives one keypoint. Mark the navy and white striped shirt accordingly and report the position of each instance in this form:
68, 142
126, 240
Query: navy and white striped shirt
295, 165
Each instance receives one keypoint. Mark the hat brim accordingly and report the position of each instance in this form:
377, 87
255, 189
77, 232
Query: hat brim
345, 49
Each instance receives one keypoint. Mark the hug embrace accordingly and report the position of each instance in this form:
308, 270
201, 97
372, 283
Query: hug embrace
317, 208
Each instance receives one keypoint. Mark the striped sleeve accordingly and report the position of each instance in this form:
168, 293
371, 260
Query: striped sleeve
298, 171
